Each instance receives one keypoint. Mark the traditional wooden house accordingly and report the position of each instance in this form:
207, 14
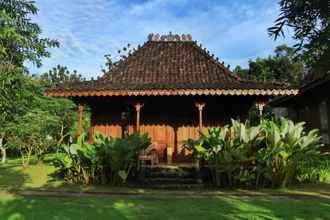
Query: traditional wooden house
311, 105
170, 88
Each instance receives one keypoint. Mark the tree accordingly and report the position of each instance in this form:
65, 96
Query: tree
19, 42
111, 62
62, 107
33, 133
309, 20
14, 101
19, 37
64, 110
59, 75
43, 125
29, 121
282, 67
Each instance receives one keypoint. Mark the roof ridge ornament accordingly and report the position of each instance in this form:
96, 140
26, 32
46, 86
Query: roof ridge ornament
169, 37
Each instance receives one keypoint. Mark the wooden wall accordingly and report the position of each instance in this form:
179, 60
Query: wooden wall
168, 120
306, 107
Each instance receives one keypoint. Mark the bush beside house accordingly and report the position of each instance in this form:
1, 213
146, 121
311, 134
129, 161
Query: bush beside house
236, 155
266, 155
105, 160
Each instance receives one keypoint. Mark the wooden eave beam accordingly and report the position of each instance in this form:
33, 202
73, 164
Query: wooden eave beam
180, 92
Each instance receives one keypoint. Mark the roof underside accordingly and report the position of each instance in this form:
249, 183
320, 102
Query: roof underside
316, 86
170, 68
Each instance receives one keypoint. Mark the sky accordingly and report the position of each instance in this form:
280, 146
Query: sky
235, 31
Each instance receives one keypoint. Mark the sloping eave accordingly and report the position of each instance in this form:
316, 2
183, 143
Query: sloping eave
176, 92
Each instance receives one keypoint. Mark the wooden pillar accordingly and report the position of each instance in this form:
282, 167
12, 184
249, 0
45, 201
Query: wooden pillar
260, 107
80, 119
138, 107
200, 107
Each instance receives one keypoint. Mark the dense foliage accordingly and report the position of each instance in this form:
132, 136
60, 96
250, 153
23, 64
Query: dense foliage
29, 122
265, 155
105, 160
20, 39
283, 67
309, 20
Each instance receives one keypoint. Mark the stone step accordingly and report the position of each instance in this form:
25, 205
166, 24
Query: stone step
175, 186
171, 169
171, 180
170, 175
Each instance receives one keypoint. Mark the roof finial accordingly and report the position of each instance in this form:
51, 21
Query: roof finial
169, 37
150, 36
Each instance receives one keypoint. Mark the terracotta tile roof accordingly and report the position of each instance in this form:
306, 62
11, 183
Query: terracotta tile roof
168, 65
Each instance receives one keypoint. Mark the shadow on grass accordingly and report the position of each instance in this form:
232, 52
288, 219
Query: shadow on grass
11, 176
71, 208
322, 188
14, 176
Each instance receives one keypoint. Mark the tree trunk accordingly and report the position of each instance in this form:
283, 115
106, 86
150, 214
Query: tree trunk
3, 152
28, 158
4, 155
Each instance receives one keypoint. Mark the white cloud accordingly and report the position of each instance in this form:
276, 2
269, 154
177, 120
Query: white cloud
234, 31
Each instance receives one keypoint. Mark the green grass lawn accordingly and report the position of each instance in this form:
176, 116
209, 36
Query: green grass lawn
123, 207
304, 202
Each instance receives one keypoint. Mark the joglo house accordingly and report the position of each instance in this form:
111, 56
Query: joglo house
171, 88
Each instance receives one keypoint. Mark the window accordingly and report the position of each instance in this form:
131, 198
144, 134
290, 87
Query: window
324, 122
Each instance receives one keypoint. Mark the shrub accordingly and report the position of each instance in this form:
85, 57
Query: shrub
106, 160
228, 152
313, 171
268, 154
287, 145
120, 155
